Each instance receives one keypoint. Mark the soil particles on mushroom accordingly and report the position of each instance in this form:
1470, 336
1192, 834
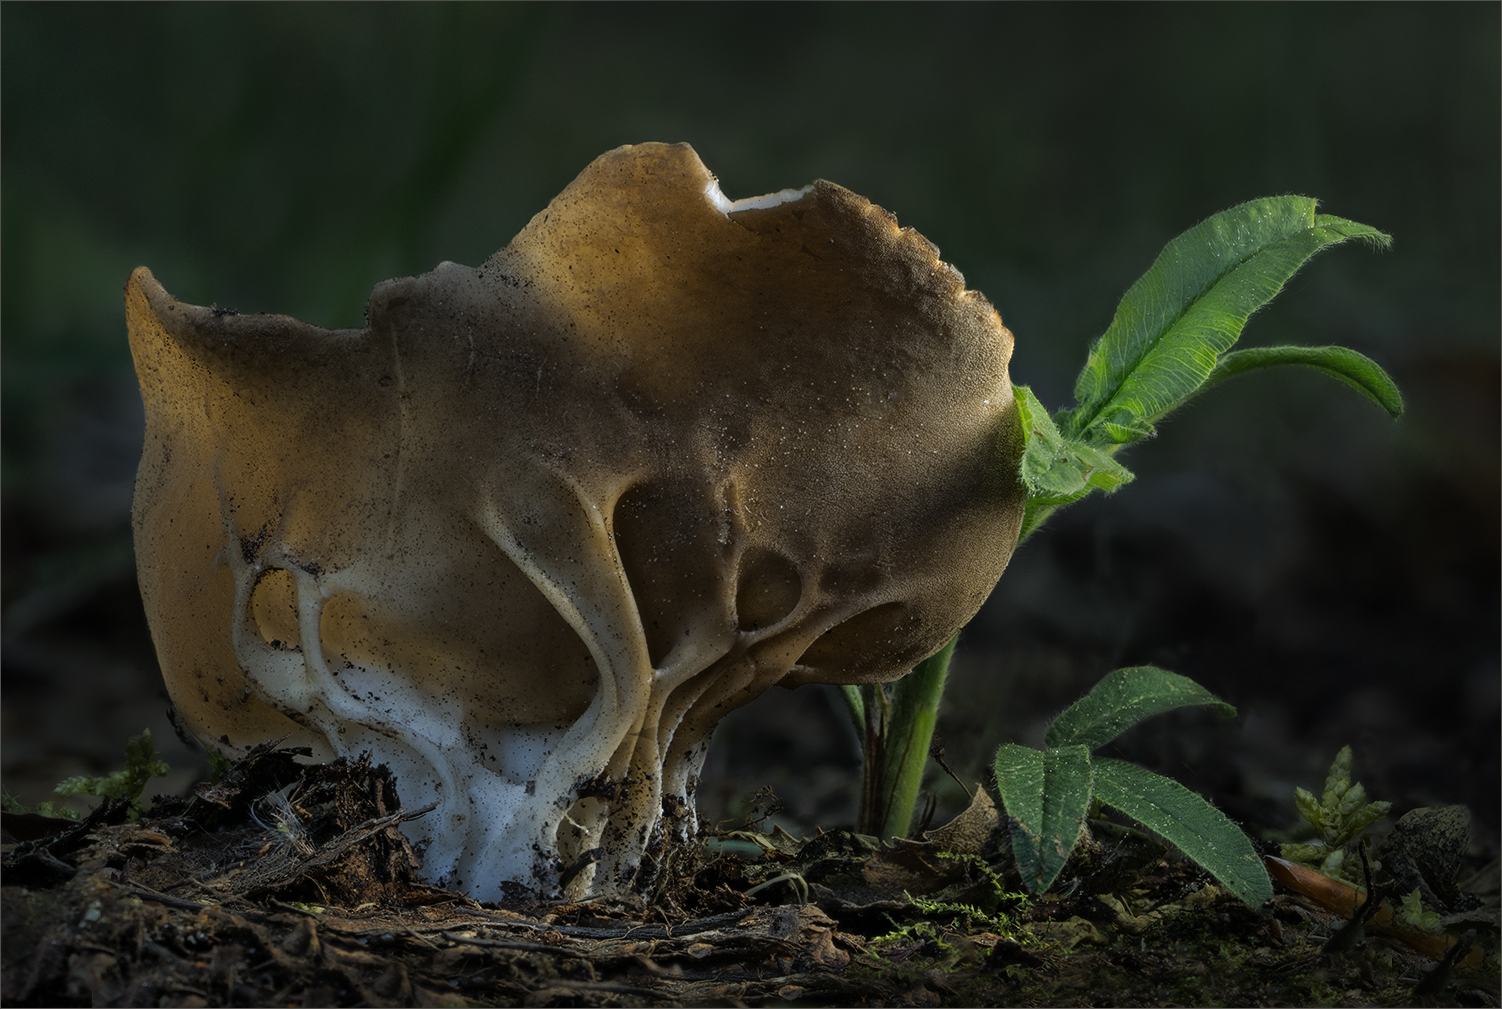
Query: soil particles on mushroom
287, 884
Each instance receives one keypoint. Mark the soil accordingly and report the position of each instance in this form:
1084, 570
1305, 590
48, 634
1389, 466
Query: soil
286, 883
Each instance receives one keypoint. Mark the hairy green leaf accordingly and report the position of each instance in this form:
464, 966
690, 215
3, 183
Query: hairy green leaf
1356, 370
1056, 470
1122, 699
1019, 781
1047, 796
1189, 308
1186, 820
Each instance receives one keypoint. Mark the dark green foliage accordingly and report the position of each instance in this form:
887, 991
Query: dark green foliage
1171, 339
141, 765
1124, 698
1338, 816
1048, 793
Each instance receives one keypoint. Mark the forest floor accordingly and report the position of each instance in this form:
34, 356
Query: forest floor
237, 898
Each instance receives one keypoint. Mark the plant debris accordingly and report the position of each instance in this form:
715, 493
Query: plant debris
287, 883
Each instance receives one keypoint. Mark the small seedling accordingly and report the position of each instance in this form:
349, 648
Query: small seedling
141, 765
1412, 913
1169, 341
1338, 817
1050, 793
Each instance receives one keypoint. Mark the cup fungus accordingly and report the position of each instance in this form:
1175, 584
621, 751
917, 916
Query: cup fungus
534, 530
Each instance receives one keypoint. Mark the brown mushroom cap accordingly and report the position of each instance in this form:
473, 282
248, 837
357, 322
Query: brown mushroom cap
646, 461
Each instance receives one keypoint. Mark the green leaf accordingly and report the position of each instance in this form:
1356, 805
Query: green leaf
1308, 806
1198, 829
1338, 780
1019, 780
1309, 854
1058, 469
1333, 863
1366, 816
1414, 914
1122, 699
1356, 370
1189, 308
1352, 800
1047, 796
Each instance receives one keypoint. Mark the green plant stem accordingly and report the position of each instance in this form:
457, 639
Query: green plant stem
855, 701
897, 733
872, 723
910, 732
1033, 516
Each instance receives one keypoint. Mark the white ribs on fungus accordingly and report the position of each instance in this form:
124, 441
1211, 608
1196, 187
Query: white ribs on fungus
534, 530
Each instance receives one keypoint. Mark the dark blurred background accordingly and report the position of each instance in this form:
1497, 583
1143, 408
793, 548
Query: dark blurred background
1332, 573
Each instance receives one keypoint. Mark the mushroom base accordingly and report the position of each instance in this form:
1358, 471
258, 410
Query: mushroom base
545, 808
